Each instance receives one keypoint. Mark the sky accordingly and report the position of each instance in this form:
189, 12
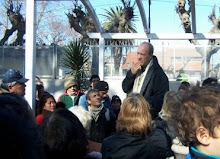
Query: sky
164, 18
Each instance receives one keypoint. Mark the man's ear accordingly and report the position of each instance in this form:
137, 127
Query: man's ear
202, 135
9, 88
88, 101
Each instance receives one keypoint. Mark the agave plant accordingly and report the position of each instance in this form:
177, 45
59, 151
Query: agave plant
75, 56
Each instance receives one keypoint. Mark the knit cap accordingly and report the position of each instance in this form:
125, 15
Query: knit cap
102, 86
69, 81
115, 98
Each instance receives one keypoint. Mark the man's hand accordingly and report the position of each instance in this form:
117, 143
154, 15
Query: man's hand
135, 67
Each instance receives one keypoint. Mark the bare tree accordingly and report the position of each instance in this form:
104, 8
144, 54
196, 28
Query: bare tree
17, 21
83, 24
215, 28
213, 47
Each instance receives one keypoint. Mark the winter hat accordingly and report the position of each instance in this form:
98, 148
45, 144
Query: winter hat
69, 81
115, 98
102, 86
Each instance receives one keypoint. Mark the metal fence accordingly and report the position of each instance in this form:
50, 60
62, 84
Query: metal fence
172, 58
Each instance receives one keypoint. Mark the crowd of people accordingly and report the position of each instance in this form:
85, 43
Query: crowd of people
151, 122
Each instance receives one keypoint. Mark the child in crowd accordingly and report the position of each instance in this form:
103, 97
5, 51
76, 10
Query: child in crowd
198, 123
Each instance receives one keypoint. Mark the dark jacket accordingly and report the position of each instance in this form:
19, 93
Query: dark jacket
195, 154
103, 127
124, 145
154, 87
107, 104
166, 126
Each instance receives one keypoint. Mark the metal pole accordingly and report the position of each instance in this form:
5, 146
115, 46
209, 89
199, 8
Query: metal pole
30, 52
101, 58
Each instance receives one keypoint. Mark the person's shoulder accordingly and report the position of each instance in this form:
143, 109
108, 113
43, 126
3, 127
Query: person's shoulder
63, 96
158, 134
82, 99
161, 142
80, 93
83, 96
39, 119
116, 137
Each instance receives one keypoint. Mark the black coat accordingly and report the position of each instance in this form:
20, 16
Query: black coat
123, 145
154, 87
103, 127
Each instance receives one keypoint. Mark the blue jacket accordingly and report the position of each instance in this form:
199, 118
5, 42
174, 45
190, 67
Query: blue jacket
196, 154
83, 103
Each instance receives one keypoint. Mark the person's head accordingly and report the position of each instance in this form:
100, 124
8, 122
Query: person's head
70, 85
103, 88
198, 122
83, 115
19, 135
39, 91
145, 53
14, 82
93, 80
64, 136
187, 84
170, 104
183, 88
134, 115
38, 81
39, 87
116, 103
209, 81
93, 98
46, 102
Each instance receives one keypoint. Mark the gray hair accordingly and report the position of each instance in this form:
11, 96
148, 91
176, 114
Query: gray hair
90, 92
83, 116
6, 85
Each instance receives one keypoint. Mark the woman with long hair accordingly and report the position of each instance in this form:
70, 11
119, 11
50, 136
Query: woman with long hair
46, 105
135, 136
